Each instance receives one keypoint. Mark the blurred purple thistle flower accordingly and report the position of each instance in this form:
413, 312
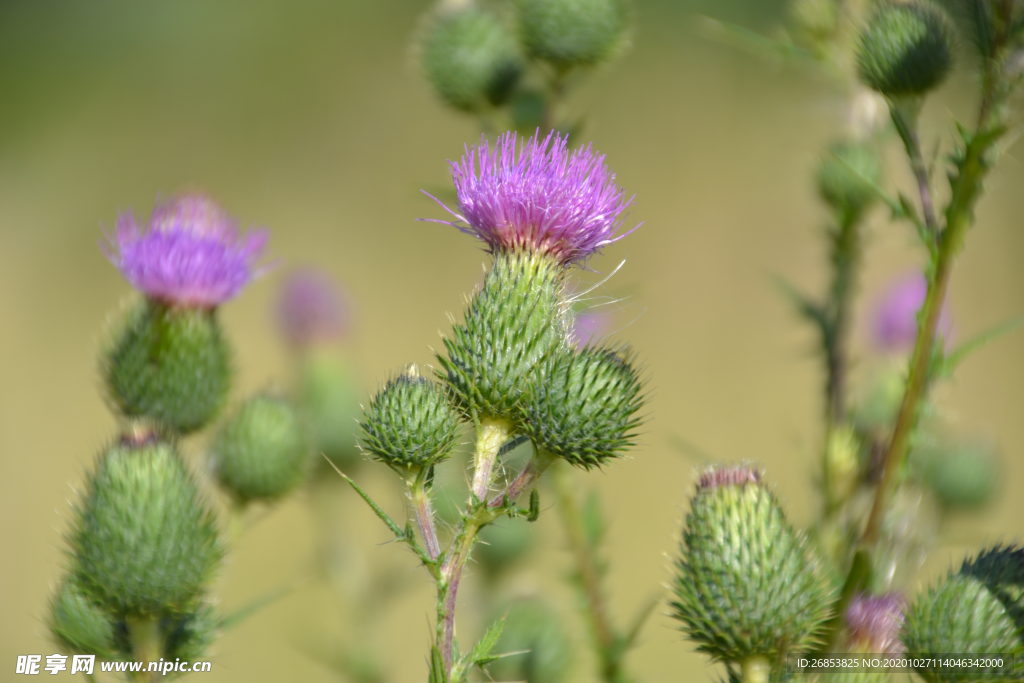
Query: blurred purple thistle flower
895, 314
190, 254
544, 199
590, 326
874, 623
728, 475
310, 309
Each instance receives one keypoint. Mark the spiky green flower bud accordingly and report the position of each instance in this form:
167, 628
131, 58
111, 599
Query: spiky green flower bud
568, 33
748, 587
143, 542
848, 177
169, 364
80, 625
513, 324
261, 452
961, 615
470, 58
1001, 569
410, 423
906, 49
583, 406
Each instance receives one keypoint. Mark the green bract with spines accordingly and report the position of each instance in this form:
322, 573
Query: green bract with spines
961, 615
906, 49
470, 58
1001, 569
78, 623
143, 542
261, 452
410, 423
747, 585
848, 177
171, 365
583, 406
512, 325
568, 33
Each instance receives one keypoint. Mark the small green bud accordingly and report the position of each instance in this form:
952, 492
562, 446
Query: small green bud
848, 176
169, 364
843, 453
189, 637
964, 477
583, 407
513, 324
327, 396
143, 542
748, 585
410, 423
568, 33
535, 632
815, 19
961, 616
470, 58
261, 452
79, 624
906, 49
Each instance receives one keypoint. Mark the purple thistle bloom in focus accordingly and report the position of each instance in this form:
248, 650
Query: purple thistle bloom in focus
191, 253
544, 198
874, 623
895, 319
310, 309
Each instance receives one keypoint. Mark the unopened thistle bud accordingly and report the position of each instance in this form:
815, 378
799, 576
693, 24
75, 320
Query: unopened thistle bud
568, 33
1001, 569
261, 452
848, 178
410, 423
79, 624
747, 587
330, 406
583, 406
906, 49
168, 364
470, 58
143, 542
964, 476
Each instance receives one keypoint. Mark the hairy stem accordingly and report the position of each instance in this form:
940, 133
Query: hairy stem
425, 519
526, 479
491, 435
606, 639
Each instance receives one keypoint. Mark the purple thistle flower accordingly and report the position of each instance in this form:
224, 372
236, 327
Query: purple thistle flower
895, 317
191, 253
310, 309
543, 198
874, 623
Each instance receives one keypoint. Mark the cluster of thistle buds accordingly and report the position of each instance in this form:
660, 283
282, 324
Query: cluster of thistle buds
511, 369
144, 543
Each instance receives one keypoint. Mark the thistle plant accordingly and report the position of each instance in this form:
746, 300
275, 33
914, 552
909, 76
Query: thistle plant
145, 545
510, 370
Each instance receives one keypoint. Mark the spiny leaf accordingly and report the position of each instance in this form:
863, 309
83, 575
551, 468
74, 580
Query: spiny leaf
945, 365
804, 305
395, 529
534, 506
481, 654
437, 673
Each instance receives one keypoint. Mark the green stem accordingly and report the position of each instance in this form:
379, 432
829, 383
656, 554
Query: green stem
425, 518
755, 670
147, 644
607, 640
491, 435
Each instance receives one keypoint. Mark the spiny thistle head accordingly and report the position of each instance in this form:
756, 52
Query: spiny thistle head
261, 452
169, 364
569, 33
514, 323
895, 323
542, 198
906, 49
470, 57
79, 624
191, 254
311, 310
961, 615
1001, 569
583, 407
873, 623
747, 584
410, 423
848, 177
143, 541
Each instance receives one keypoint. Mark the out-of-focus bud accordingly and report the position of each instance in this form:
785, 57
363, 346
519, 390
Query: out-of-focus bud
816, 20
143, 542
410, 423
848, 177
895, 323
311, 310
583, 407
963, 476
79, 624
873, 623
535, 631
169, 364
330, 407
843, 462
261, 452
470, 57
748, 588
906, 49
568, 33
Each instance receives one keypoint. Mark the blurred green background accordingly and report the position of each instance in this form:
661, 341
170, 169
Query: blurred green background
310, 118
